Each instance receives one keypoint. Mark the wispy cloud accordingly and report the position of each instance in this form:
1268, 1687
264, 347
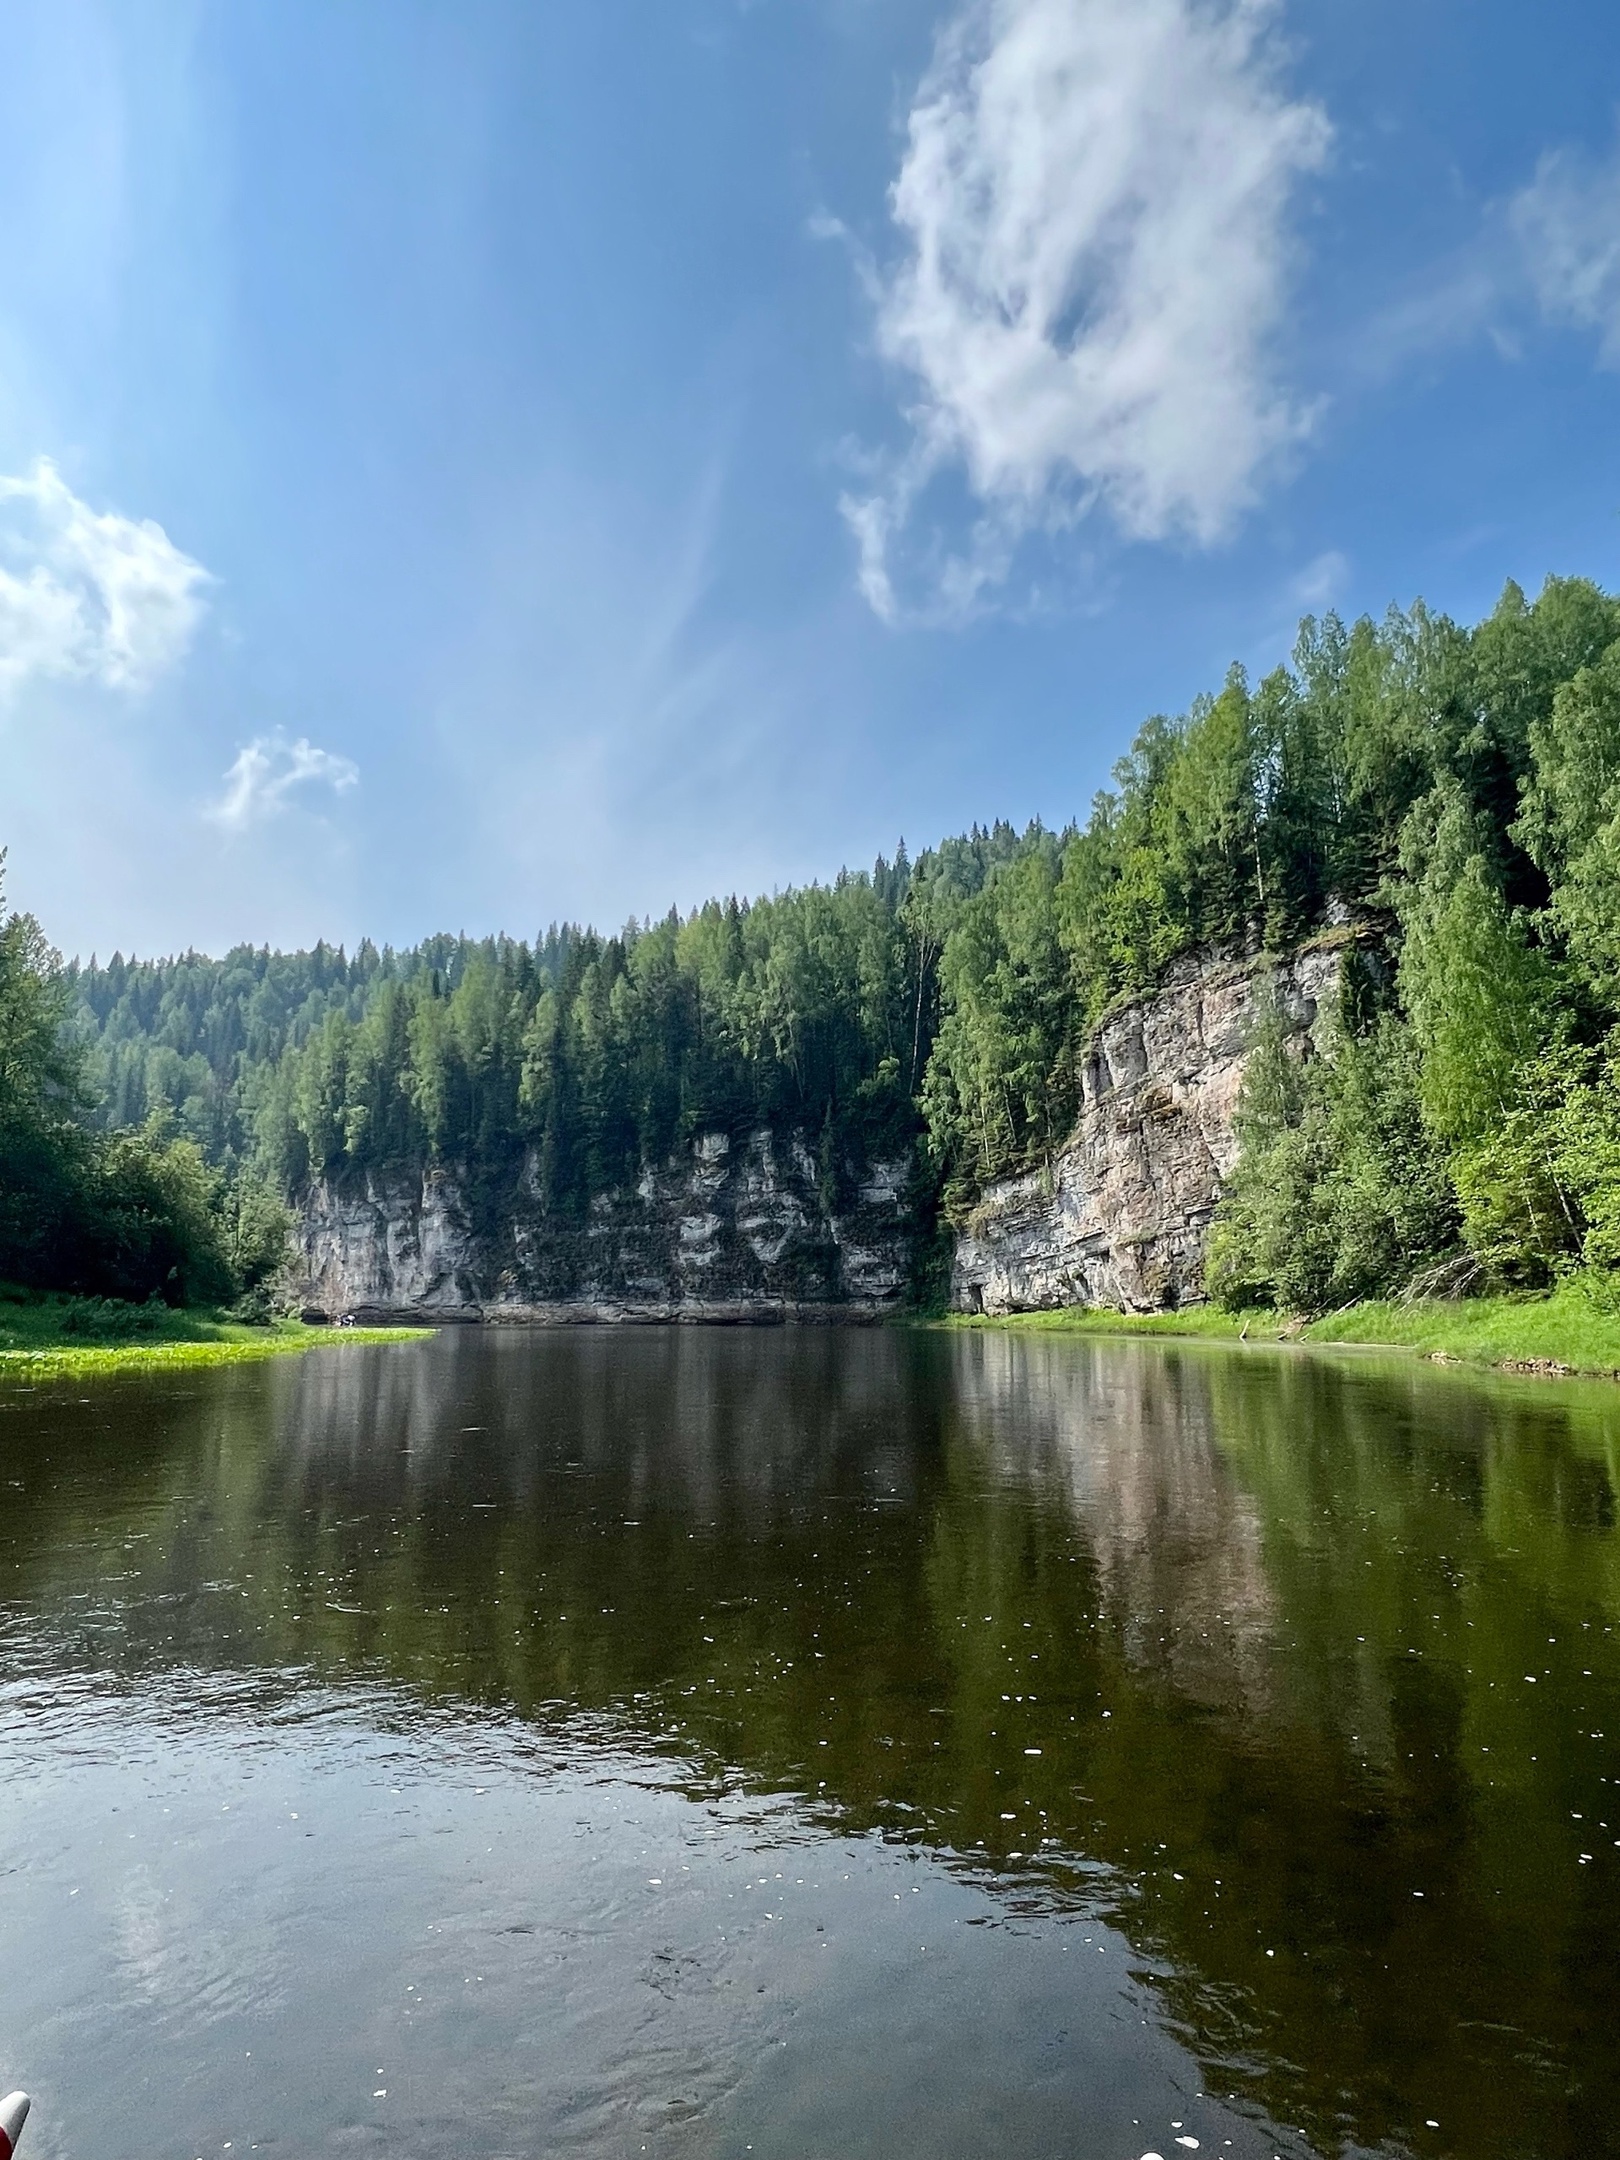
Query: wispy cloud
1321, 581
1448, 304
266, 772
1094, 198
1567, 223
89, 594
1549, 251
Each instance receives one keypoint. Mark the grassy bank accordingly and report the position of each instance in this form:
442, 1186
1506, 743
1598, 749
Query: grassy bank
50, 1338
1565, 1332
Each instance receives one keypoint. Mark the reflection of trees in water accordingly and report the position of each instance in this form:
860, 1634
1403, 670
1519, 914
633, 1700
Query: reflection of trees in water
1266, 1618
1327, 1581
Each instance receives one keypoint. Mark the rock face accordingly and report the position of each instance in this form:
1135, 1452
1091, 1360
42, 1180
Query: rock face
730, 1231
738, 1229
1120, 1217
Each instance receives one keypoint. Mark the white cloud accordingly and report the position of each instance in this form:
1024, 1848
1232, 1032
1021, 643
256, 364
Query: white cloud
266, 772
1567, 223
1094, 196
88, 594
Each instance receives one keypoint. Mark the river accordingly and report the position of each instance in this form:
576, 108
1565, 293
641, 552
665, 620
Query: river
811, 1742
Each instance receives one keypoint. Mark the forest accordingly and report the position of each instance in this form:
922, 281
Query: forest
1453, 790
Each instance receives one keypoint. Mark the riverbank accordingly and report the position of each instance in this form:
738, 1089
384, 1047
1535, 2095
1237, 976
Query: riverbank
51, 1338
1561, 1333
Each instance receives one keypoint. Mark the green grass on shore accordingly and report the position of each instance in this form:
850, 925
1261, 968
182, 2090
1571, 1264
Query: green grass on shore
1100, 1320
1567, 1331
54, 1338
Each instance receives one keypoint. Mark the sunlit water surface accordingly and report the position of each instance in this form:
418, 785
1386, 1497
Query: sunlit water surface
823, 1742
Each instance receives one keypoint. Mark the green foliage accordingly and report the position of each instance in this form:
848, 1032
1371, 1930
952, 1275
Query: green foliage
129, 1215
255, 1233
1339, 1191
1541, 1189
1481, 997
1586, 1158
1570, 818
1484, 1112
156, 1225
1004, 1070
801, 1012
1453, 793
1338, 782
47, 1163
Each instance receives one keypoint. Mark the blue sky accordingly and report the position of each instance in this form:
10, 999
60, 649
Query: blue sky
467, 465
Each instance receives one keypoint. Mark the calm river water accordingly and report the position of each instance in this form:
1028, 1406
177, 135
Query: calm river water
811, 1743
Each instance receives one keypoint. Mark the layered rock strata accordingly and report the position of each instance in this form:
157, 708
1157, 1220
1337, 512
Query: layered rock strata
730, 1230
741, 1229
1120, 1216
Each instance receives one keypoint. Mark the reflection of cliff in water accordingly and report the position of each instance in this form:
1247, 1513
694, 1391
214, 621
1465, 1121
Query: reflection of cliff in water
1128, 1441
710, 1421
1233, 1646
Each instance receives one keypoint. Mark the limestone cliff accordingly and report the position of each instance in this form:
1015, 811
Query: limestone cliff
1120, 1216
728, 1230
741, 1229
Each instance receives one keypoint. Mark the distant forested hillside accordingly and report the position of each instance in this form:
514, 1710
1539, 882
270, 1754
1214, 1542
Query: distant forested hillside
1458, 788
